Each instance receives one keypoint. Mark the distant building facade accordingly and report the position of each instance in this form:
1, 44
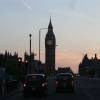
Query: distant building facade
90, 67
11, 64
29, 62
36, 65
64, 70
50, 46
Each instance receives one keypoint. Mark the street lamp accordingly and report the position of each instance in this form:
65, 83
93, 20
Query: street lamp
30, 35
40, 40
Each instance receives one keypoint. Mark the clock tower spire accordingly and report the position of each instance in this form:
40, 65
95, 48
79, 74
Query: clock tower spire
50, 24
50, 44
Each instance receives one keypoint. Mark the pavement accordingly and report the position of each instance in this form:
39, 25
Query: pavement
80, 93
52, 95
11, 93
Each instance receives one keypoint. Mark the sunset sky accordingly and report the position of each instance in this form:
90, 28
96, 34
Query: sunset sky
76, 26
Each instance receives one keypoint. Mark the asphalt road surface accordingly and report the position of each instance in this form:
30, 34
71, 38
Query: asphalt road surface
52, 95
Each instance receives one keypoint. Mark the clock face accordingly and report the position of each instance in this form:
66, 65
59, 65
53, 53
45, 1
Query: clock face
49, 42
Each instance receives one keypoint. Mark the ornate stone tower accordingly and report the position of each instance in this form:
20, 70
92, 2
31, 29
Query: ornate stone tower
50, 45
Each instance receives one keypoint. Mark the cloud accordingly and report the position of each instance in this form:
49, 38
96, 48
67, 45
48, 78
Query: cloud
26, 4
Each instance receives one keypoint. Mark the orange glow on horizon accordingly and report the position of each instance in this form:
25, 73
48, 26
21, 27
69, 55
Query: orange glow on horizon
72, 60
64, 59
69, 59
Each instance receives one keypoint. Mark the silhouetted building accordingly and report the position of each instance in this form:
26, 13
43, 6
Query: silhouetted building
29, 61
90, 67
39, 67
50, 45
64, 70
27, 56
11, 64
36, 65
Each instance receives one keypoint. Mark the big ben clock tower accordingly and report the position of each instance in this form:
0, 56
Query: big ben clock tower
50, 45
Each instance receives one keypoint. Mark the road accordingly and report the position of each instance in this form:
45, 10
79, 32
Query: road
52, 95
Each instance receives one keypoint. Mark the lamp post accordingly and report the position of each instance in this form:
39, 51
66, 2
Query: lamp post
40, 41
30, 35
30, 43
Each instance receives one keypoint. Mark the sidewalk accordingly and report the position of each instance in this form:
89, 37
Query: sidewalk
13, 92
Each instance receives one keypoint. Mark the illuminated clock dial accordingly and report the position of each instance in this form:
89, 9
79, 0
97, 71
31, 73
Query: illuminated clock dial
49, 42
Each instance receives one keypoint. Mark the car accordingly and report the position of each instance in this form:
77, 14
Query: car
35, 84
64, 82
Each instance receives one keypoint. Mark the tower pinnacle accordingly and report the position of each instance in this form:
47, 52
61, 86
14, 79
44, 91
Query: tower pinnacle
50, 24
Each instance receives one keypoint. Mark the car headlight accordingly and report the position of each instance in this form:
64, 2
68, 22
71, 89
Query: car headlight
24, 85
43, 84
